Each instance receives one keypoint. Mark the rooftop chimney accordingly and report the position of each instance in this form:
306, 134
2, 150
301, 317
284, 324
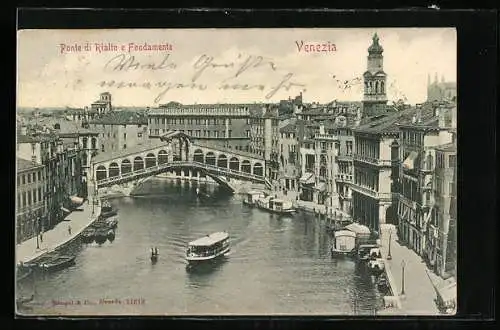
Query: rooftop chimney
321, 129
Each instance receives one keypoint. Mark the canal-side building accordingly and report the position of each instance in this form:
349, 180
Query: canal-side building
63, 172
372, 198
223, 125
289, 165
264, 137
342, 129
307, 181
120, 130
31, 202
428, 128
326, 147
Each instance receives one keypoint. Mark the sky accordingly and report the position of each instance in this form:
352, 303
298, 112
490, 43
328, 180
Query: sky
225, 65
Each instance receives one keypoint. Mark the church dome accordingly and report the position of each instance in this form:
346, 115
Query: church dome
375, 47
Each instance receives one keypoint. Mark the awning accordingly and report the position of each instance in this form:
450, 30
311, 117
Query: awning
321, 186
76, 200
409, 162
307, 178
65, 209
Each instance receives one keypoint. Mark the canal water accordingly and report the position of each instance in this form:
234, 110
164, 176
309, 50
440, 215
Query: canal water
277, 265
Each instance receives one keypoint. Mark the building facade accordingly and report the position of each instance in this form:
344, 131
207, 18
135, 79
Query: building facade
63, 172
344, 164
326, 149
118, 130
441, 231
224, 125
31, 201
264, 137
289, 165
372, 165
429, 127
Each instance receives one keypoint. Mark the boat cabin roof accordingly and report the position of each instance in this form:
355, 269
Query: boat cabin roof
210, 240
339, 233
255, 192
358, 229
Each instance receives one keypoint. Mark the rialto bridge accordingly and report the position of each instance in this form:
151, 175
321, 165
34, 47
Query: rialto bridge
176, 153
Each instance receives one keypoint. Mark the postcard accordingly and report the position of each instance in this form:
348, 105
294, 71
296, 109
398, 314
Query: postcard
290, 171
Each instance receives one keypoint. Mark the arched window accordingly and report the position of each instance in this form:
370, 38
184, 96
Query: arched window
257, 169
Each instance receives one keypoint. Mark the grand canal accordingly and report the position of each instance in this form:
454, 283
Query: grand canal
276, 266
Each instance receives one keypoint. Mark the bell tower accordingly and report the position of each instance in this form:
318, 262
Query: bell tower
375, 97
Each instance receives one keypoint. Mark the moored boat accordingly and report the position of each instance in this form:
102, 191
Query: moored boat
88, 235
107, 211
275, 205
101, 235
208, 248
111, 235
112, 222
58, 262
363, 251
252, 197
344, 243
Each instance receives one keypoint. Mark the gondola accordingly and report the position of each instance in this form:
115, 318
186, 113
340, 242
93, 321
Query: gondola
101, 236
111, 235
154, 255
57, 263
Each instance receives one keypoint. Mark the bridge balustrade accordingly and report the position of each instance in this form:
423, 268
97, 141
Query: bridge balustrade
156, 168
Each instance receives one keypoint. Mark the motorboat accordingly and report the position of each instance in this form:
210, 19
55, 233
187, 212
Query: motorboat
208, 248
275, 205
252, 197
344, 243
58, 262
